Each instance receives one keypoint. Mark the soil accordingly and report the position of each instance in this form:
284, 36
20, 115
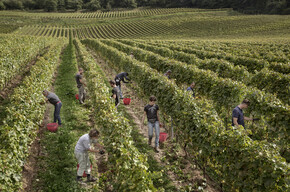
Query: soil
136, 110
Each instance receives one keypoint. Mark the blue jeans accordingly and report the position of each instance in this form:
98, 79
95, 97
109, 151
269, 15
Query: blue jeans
121, 94
157, 132
57, 112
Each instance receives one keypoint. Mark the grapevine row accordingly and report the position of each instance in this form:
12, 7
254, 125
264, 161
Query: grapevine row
24, 115
271, 82
128, 163
16, 53
200, 127
251, 64
111, 14
270, 51
277, 55
118, 30
226, 93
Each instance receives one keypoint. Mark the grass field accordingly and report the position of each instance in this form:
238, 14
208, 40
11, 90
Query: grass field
230, 56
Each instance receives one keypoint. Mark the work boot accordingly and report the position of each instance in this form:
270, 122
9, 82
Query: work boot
80, 181
156, 149
90, 179
150, 141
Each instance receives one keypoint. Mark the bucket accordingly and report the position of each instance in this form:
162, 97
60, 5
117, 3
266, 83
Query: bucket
162, 137
77, 96
52, 127
126, 101
84, 175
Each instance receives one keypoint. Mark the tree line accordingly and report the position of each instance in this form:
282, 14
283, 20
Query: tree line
245, 6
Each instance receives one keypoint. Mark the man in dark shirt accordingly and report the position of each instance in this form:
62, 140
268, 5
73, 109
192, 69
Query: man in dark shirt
191, 88
151, 111
121, 77
53, 99
238, 115
116, 93
167, 74
80, 85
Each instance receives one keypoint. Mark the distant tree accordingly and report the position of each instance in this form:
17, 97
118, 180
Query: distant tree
2, 6
108, 6
94, 5
50, 5
29, 4
274, 7
141, 3
86, 1
153, 3
128, 4
61, 5
78, 5
39, 4
13, 4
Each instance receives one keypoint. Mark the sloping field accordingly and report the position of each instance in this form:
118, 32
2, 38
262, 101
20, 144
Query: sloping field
181, 25
229, 56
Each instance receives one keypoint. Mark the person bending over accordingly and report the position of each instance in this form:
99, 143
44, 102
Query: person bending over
121, 77
53, 99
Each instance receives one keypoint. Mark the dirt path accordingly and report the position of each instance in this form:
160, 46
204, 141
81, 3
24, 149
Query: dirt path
136, 110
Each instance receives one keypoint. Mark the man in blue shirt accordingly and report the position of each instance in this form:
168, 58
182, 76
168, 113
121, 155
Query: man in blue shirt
238, 115
191, 88
167, 74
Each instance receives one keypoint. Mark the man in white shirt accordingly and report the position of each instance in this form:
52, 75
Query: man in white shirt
82, 148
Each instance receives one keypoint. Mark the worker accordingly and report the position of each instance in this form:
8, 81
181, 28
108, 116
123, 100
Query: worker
238, 115
53, 99
80, 84
121, 77
82, 148
151, 111
132, 55
191, 88
115, 93
167, 74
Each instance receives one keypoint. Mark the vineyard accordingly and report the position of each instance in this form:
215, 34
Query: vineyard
111, 14
203, 153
